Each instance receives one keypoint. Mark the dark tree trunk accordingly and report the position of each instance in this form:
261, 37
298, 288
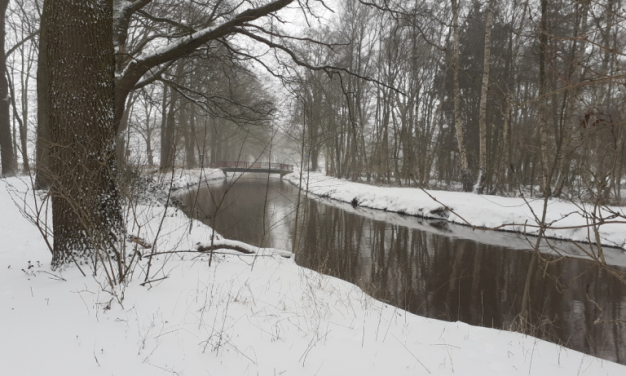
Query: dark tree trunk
169, 137
80, 112
168, 146
149, 142
190, 136
543, 110
7, 153
42, 165
466, 174
213, 142
163, 122
122, 158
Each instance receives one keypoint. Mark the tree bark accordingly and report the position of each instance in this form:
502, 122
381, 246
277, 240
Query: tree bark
7, 152
466, 175
80, 70
482, 117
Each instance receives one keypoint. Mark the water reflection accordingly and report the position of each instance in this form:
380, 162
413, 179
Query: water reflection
422, 267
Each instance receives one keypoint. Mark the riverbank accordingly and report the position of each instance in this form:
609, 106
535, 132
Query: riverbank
190, 178
484, 211
244, 314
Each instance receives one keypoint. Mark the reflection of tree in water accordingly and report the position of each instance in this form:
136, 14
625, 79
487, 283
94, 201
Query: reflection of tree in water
221, 208
430, 274
460, 280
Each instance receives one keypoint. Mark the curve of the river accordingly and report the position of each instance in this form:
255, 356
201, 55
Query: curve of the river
433, 269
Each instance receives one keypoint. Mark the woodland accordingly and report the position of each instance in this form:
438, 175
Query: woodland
496, 97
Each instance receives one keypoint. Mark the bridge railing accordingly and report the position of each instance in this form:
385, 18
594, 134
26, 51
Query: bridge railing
252, 165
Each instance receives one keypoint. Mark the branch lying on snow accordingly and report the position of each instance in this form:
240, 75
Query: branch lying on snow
217, 246
233, 246
241, 247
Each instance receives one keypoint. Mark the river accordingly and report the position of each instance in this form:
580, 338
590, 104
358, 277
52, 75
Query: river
431, 268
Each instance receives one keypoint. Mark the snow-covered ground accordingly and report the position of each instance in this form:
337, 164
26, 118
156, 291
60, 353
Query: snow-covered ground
184, 179
257, 314
468, 208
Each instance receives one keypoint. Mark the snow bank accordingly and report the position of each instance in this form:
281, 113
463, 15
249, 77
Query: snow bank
479, 210
257, 314
185, 179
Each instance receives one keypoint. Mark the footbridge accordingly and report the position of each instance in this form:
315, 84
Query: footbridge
256, 167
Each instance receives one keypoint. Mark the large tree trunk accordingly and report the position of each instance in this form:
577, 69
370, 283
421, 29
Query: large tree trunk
80, 69
7, 153
482, 117
466, 175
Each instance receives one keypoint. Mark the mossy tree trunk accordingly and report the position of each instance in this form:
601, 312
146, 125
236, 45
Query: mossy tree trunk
80, 113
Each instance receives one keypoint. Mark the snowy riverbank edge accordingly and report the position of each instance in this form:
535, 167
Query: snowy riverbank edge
244, 315
479, 210
182, 179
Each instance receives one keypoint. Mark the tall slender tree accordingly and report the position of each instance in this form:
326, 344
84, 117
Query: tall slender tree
482, 117
543, 106
7, 152
466, 174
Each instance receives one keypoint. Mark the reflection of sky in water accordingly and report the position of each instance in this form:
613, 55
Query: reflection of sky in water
430, 268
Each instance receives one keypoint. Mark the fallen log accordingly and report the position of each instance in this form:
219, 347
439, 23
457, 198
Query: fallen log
224, 246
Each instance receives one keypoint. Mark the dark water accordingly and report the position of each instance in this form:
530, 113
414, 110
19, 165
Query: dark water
433, 269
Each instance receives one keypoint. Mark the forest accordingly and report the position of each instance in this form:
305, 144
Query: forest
492, 96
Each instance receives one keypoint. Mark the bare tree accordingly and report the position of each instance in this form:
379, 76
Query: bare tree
7, 153
482, 117
466, 175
